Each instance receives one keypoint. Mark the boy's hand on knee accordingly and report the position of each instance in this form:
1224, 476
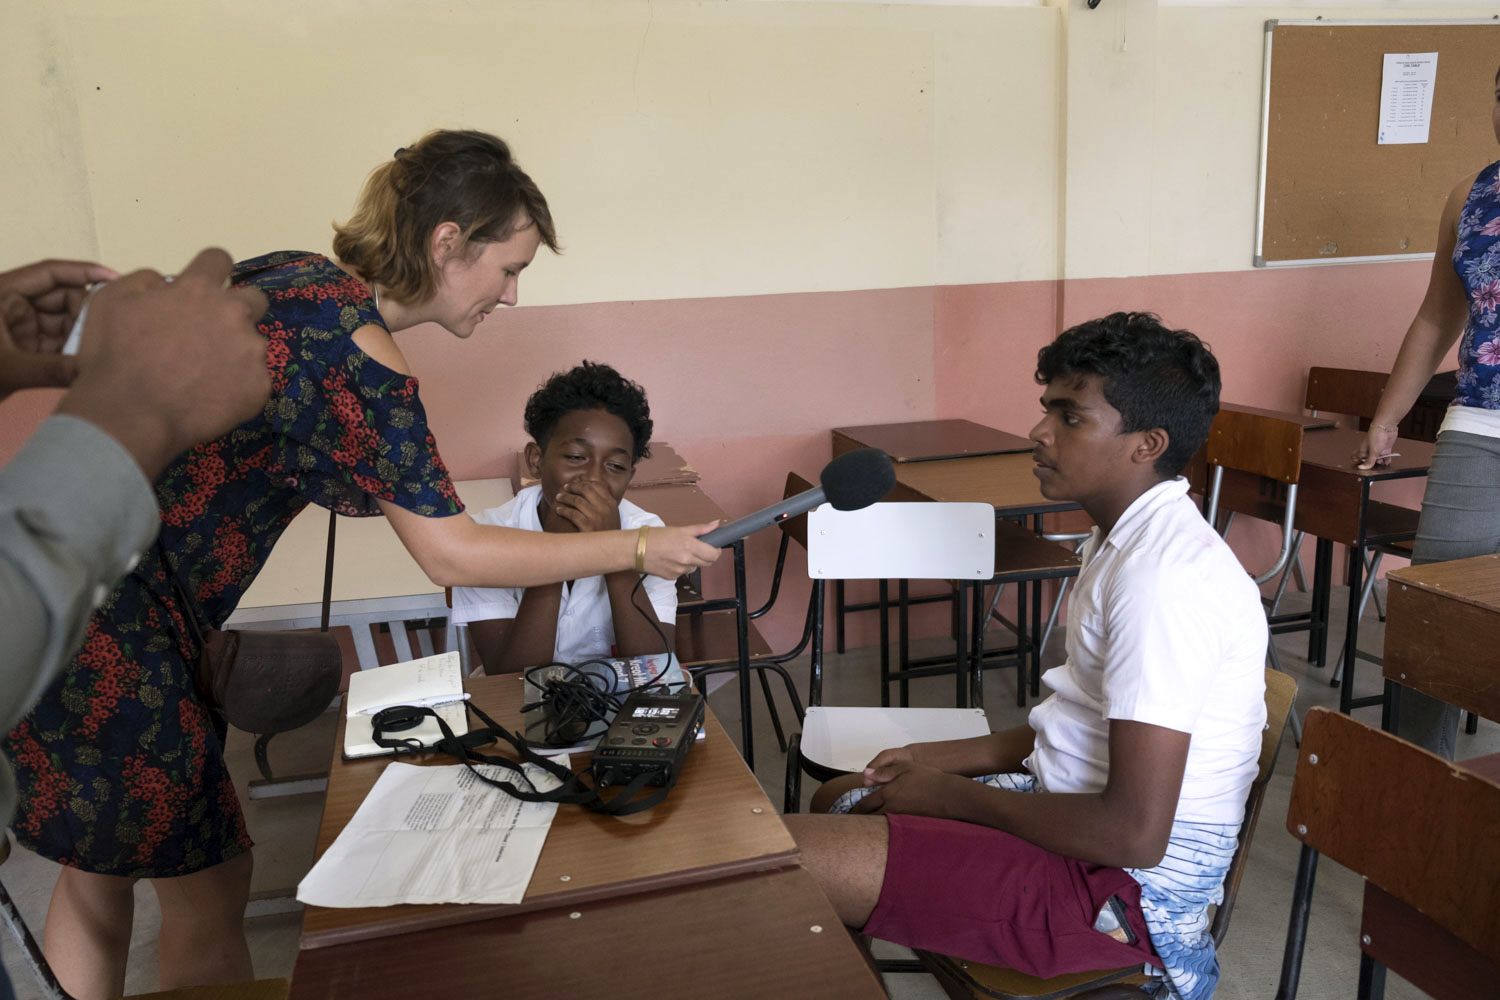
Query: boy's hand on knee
879, 770
914, 790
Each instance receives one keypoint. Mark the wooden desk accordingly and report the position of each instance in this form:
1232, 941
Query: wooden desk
769, 935
1442, 634
676, 505
1005, 482
1333, 505
717, 822
665, 467
374, 578
929, 440
1318, 423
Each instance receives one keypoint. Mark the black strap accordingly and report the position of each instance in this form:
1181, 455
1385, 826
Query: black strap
571, 790
192, 611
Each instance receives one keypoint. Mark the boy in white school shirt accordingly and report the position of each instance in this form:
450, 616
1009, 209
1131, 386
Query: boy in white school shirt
589, 426
1099, 834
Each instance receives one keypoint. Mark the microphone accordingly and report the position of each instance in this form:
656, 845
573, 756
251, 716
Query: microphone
852, 481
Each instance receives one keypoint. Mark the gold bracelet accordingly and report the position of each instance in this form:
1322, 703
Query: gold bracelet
1384, 427
640, 549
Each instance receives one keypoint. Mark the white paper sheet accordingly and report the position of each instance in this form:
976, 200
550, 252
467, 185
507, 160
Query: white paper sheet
434, 835
1406, 86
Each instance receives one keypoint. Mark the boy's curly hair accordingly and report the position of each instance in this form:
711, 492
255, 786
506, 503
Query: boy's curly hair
1154, 376
590, 386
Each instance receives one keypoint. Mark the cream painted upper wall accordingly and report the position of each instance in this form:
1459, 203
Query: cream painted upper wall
687, 149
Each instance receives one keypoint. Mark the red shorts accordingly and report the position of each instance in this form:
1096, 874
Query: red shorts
976, 893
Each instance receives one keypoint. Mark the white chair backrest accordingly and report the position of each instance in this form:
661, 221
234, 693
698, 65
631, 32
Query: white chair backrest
902, 541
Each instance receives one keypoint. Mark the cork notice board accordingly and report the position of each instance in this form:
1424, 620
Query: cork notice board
1329, 192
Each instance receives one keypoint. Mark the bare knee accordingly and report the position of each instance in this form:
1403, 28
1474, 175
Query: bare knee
846, 855
830, 791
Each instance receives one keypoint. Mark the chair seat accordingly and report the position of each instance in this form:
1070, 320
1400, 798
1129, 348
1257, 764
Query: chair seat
708, 637
1021, 554
844, 739
1389, 521
962, 978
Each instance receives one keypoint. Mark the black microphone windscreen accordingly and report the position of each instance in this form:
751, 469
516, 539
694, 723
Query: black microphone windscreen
858, 478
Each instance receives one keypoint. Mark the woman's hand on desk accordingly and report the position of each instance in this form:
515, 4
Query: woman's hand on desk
1375, 449
673, 552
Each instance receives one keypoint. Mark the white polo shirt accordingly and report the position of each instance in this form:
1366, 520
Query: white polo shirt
585, 627
1165, 627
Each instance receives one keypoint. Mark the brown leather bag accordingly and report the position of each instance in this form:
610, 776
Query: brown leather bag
263, 681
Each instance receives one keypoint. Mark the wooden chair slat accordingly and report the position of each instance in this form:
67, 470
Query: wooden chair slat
1258, 444
1422, 828
1345, 390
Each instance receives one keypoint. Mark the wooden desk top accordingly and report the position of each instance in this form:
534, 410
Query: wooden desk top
768, 935
1474, 581
929, 440
1318, 423
717, 822
369, 560
663, 468
1334, 450
1005, 482
676, 504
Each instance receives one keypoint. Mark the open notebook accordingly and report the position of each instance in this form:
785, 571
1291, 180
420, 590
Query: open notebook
432, 681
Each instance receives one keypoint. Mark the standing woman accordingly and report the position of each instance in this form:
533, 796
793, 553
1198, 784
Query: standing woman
121, 768
1461, 508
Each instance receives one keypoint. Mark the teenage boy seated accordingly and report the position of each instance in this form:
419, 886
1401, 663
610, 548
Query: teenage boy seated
1098, 835
588, 426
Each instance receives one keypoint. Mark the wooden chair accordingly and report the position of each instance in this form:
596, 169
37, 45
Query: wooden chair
1269, 448
1432, 874
707, 640
1026, 559
963, 980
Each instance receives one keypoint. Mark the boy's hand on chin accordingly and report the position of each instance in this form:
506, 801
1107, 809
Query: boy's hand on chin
588, 506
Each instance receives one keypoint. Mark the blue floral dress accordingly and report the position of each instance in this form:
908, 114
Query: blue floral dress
1476, 258
120, 766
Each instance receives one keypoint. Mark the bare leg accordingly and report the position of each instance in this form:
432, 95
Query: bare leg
203, 926
87, 937
846, 855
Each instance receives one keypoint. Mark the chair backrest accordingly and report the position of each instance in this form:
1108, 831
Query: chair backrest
1418, 827
902, 541
1345, 390
1262, 445
1281, 692
795, 528
1256, 443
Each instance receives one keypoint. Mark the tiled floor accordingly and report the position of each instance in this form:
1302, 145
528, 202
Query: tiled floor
284, 830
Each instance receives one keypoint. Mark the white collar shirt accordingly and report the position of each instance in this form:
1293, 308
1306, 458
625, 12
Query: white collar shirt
1164, 627
585, 625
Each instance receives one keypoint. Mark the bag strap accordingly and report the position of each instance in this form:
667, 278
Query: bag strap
192, 611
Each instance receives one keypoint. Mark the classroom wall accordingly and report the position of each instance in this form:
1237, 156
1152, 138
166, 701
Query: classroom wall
780, 217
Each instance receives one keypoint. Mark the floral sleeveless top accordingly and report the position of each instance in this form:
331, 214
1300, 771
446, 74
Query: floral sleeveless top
1476, 258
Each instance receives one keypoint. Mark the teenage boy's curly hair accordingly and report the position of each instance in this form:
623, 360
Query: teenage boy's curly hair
590, 386
1154, 376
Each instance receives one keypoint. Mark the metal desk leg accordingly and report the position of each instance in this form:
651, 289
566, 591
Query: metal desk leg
961, 654
838, 615
903, 616
1296, 928
885, 646
742, 636
1351, 628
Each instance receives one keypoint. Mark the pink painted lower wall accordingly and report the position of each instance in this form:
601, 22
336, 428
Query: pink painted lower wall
747, 388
